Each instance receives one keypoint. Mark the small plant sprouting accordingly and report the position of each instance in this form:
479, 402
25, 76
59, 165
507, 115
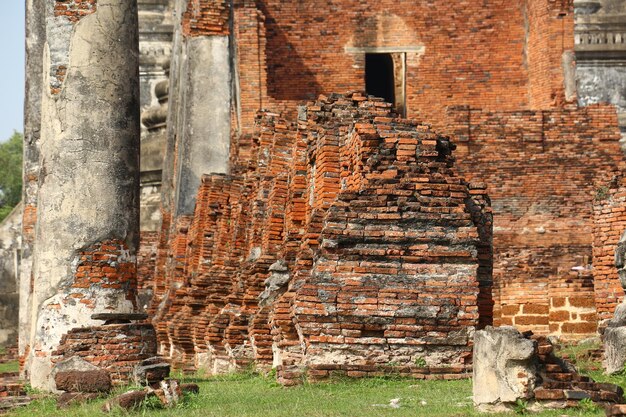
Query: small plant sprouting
602, 193
587, 405
420, 362
520, 406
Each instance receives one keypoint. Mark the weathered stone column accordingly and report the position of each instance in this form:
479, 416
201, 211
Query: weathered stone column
201, 96
88, 203
35, 39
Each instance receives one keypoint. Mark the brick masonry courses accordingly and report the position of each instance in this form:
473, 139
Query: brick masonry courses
381, 240
513, 61
325, 194
495, 55
609, 224
501, 62
541, 169
118, 348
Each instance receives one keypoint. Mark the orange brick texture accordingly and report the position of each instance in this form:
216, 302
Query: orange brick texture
74, 10
609, 225
206, 18
559, 385
495, 54
117, 348
104, 265
383, 243
550, 33
540, 168
146, 264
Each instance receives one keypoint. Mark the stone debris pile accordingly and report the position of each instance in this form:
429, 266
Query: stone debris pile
510, 366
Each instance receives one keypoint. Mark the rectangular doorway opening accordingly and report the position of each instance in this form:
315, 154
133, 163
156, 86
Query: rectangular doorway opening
385, 78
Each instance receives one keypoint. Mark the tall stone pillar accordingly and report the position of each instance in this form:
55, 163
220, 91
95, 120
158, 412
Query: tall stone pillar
88, 203
201, 96
35, 39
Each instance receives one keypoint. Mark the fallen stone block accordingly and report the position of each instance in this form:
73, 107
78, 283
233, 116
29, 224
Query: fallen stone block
170, 392
151, 371
504, 366
614, 349
190, 388
510, 367
77, 375
127, 401
616, 410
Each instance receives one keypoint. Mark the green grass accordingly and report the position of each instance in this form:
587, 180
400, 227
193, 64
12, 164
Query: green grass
12, 366
250, 394
253, 395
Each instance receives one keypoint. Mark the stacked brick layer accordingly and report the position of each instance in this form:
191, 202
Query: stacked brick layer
541, 169
116, 347
206, 18
74, 10
344, 242
105, 265
609, 225
561, 386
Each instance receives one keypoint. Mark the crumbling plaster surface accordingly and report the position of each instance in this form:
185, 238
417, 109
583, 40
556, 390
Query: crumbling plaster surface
89, 167
503, 366
602, 84
35, 39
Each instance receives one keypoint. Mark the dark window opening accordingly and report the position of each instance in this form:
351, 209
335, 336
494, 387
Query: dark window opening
379, 76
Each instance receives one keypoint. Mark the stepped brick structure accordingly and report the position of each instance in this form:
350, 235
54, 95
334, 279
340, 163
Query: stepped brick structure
373, 252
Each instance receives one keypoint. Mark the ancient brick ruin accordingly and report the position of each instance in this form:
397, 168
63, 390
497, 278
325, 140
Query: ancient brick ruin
348, 188
344, 241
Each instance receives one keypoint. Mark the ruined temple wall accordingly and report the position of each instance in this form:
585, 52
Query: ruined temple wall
10, 254
146, 264
540, 169
493, 55
251, 262
609, 224
549, 53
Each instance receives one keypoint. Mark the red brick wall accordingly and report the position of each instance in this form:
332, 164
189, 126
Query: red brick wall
105, 265
249, 27
550, 33
540, 168
609, 225
206, 18
494, 55
146, 264
115, 347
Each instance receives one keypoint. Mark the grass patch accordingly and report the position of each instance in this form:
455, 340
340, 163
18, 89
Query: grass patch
243, 395
249, 394
579, 356
12, 366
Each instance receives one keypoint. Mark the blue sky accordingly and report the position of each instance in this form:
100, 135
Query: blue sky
12, 68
